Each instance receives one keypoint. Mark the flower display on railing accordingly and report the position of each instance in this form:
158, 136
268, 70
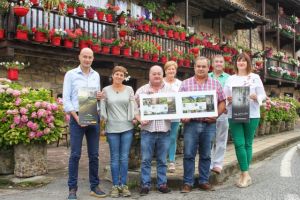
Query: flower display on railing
294, 19
72, 34
14, 65
111, 9
106, 42
54, 32
29, 116
4, 5
294, 61
275, 69
44, 30
288, 29
279, 55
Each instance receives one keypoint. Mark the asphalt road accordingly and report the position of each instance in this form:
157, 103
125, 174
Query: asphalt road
275, 178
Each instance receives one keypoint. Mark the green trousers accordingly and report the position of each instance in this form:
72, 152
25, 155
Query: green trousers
242, 135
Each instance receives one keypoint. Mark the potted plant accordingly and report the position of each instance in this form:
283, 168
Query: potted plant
188, 58
80, 9
96, 44
106, 44
2, 31
4, 6
90, 12
125, 30
85, 40
71, 4
136, 46
100, 14
22, 32
40, 34
33, 119
56, 36
170, 31
162, 27
13, 69
146, 25
125, 50
163, 57
70, 36
122, 18
182, 33
274, 71
110, 12
21, 9
116, 47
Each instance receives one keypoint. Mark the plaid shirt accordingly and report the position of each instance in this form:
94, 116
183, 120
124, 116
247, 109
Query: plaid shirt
191, 84
154, 125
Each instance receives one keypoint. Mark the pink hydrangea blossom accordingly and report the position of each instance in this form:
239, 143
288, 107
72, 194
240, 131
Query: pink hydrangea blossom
9, 91
12, 126
54, 107
18, 101
37, 104
23, 111
39, 133
31, 135
24, 118
44, 104
41, 113
47, 130
51, 125
17, 119
59, 100
33, 115
16, 93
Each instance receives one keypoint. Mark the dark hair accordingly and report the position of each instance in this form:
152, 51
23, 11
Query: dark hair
246, 57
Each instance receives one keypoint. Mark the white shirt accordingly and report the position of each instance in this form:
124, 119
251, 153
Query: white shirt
256, 87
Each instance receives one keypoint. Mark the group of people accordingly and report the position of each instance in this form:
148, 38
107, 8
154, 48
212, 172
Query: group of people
119, 108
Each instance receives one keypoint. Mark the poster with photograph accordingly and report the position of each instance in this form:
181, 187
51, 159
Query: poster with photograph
88, 114
178, 105
240, 104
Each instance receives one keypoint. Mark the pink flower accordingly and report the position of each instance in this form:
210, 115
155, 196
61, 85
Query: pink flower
41, 113
59, 100
23, 111
17, 119
31, 135
47, 130
16, 93
9, 91
44, 104
67, 117
33, 115
12, 126
1, 91
25, 91
18, 101
49, 108
51, 125
29, 124
24, 119
39, 134
54, 107
37, 104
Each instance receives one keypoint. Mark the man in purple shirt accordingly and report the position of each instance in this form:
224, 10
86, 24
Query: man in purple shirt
199, 132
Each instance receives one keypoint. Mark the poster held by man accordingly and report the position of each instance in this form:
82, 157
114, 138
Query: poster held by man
240, 104
87, 106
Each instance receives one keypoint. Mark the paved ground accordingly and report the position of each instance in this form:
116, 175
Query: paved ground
58, 163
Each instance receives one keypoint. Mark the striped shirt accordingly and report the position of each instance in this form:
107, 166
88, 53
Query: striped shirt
191, 84
154, 125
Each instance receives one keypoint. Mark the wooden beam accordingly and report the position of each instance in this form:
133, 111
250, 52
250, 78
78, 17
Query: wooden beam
186, 14
277, 24
218, 14
247, 25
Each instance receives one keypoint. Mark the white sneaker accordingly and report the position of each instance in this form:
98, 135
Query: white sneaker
172, 167
298, 146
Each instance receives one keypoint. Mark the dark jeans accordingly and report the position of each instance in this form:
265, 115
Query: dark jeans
92, 137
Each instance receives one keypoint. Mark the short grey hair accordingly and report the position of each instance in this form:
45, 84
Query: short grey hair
202, 58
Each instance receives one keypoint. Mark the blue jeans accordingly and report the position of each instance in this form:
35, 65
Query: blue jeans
173, 141
160, 141
197, 135
119, 145
92, 137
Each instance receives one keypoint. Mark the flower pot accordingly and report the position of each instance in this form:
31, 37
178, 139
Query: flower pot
121, 20
55, 41
173, 58
109, 18
1, 34
125, 51
259, 63
146, 28
155, 57
96, 48
154, 30
176, 35
122, 33
34, 2
170, 34
30, 160
136, 54
22, 35
70, 10
80, 11
180, 62
146, 56
61, 6
21, 11
182, 36
13, 74
7, 161
140, 27
100, 15
83, 44
186, 63
163, 59
68, 43
116, 50
192, 39
40, 37
161, 32
90, 15
106, 49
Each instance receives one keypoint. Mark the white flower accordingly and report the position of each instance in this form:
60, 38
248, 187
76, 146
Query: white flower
127, 78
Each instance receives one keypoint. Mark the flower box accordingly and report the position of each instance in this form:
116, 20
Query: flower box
170, 34
146, 56
274, 74
176, 35
136, 54
22, 35
70, 10
96, 48
40, 37
125, 52
1, 34
100, 15
121, 20
55, 41
13, 74
182, 36
155, 58
161, 32
122, 33
116, 50
109, 18
68, 43
20, 11
146, 28
288, 77
80, 11
105, 49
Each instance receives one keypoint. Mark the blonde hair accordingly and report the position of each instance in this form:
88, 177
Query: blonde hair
169, 64
120, 69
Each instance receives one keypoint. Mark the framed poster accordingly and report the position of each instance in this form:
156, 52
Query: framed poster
88, 114
179, 105
240, 104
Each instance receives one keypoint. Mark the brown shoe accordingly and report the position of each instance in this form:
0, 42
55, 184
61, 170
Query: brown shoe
216, 170
186, 188
206, 187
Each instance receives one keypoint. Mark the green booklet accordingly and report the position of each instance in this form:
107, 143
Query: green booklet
88, 114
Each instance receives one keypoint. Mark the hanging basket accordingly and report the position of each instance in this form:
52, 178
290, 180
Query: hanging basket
13, 74
20, 11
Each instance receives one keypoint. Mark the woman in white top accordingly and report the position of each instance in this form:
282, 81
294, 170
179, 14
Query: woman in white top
174, 85
117, 109
243, 132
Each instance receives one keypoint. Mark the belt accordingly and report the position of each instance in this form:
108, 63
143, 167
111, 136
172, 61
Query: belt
198, 120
